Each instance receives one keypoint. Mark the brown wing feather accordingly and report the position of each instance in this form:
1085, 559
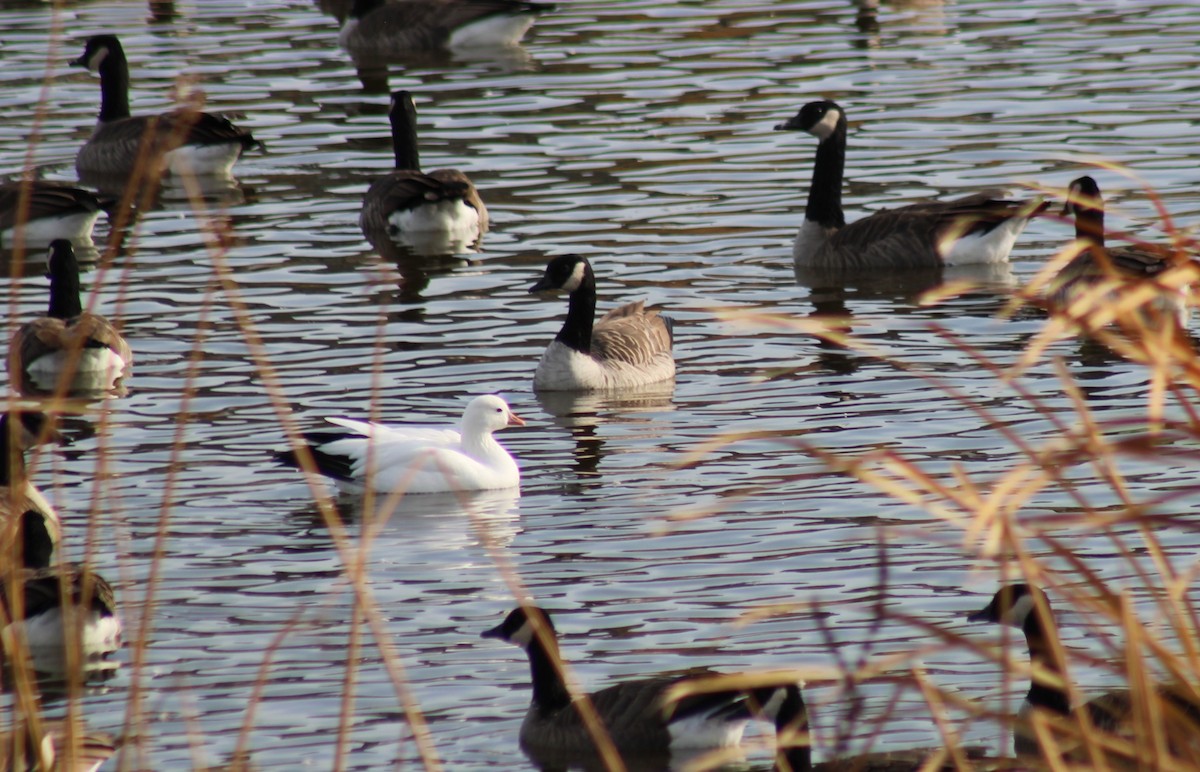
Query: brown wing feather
47, 334
407, 189
454, 180
631, 334
907, 236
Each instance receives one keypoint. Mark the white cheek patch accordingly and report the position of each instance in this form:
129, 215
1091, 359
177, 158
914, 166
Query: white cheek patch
49, 256
771, 707
1020, 611
93, 63
827, 125
572, 284
523, 635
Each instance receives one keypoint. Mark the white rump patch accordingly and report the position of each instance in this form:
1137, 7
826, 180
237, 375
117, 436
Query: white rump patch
452, 217
492, 32
980, 248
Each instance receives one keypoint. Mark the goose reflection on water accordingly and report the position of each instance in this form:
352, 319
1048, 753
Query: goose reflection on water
583, 413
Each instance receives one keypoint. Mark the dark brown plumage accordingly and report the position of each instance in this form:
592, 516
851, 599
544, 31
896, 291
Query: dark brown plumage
68, 338
976, 229
408, 200
376, 28
183, 141
1098, 263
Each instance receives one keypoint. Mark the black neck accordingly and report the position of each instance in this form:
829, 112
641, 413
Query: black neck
576, 331
114, 86
550, 694
37, 544
792, 733
362, 7
404, 139
1089, 224
12, 459
825, 193
64, 290
1045, 695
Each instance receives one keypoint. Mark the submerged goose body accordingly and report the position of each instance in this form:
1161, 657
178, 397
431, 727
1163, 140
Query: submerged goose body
1098, 264
1113, 713
635, 713
628, 347
976, 229
387, 29
417, 459
407, 200
68, 338
784, 706
183, 141
42, 212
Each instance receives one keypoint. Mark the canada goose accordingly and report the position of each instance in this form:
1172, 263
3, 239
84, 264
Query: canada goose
68, 338
18, 495
183, 141
46, 211
1017, 605
628, 347
975, 229
1097, 263
54, 748
407, 200
42, 618
634, 713
417, 459
29, 533
383, 29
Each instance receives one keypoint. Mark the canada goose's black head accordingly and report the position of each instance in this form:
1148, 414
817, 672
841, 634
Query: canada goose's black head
517, 628
1012, 605
566, 273
821, 119
1082, 196
98, 48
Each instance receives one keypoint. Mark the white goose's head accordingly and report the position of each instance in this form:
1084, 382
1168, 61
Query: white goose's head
488, 414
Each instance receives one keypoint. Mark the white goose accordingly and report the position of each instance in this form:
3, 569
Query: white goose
416, 459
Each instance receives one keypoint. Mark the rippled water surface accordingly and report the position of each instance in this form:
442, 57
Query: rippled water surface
639, 134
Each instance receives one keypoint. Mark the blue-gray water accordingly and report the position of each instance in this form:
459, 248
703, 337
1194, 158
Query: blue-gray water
639, 134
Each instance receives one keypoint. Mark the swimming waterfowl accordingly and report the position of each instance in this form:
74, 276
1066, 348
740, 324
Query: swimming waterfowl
1027, 608
978, 228
46, 211
416, 459
183, 141
29, 533
634, 713
68, 338
628, 347
407, 200
20, 430
380, 28
1098, 263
